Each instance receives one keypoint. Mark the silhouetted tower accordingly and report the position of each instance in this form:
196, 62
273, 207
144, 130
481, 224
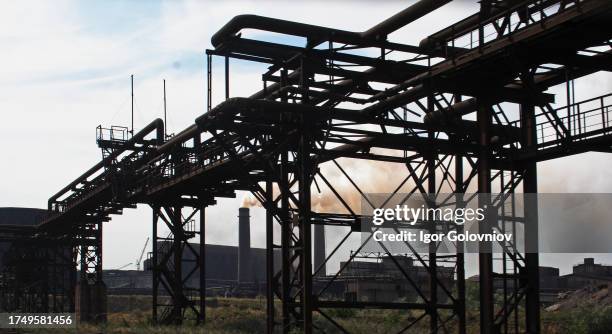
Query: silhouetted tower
244, 245
319, 249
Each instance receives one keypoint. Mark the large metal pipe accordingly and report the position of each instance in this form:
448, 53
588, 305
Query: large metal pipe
240, 22
396, 100
395, 22
178, 139
378, 32
403, 18
157, 125
244, 246
456, 110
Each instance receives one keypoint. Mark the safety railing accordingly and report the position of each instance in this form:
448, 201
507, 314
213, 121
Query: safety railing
574, 122
583, 120
502, 24
114, 133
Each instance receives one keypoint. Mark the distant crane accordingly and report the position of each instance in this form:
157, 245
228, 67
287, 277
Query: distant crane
124, 266
141, 254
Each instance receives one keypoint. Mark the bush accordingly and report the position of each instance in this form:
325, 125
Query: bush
589, 321
602, 322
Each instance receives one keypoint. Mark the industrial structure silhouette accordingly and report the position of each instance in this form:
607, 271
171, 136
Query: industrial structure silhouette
467, 108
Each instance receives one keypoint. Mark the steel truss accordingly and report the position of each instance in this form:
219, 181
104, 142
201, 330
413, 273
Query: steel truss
39, 273
90, 291
185, 286
455, 117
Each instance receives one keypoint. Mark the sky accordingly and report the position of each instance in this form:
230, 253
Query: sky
65, 69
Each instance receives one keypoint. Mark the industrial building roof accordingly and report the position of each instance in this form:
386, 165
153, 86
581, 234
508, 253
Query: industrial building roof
21, 216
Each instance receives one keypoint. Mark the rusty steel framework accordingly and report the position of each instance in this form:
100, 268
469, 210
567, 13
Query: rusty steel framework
38, 272
465, 110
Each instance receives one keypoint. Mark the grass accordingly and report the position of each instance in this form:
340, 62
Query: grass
132, 315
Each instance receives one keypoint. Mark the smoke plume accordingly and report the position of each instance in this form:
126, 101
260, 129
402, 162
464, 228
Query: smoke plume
368, 176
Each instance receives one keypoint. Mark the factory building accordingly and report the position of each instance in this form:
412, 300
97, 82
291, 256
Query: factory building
17, 219
376, 279
241, 270
26, 267
382, 280
128, 282
224, 268
587, 273
23, 217
584, 274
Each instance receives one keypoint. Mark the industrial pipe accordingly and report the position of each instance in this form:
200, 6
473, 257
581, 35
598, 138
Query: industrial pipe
396, 101
230, 29
156, 124
453, 111
179, 138
403, 18
378, 32
384, 28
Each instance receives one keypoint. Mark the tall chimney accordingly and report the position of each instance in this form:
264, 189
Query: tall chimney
319, 249
244, 245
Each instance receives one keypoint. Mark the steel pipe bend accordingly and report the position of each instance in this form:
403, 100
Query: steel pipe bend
378, 32
230, 29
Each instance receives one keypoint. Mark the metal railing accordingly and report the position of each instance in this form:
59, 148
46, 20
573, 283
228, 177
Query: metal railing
582, 120
114, 133
502, 24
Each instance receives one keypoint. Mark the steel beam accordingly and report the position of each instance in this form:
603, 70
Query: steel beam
530, 190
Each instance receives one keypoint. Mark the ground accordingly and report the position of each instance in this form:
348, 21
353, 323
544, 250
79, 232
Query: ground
586, 311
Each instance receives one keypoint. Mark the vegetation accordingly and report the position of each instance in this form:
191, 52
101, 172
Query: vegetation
132, 315
584, 320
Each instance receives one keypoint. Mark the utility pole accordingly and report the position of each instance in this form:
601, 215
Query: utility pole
165, 121
132, 81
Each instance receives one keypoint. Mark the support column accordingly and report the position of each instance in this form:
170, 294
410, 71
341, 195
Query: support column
170, 253
269, 257
90, 294
305, 234
154, 263
484, 188
530, 189
305, 168
459, 188
460, 203
285, 242
433, 265
485, 256
176, 280
286, 224
202, 271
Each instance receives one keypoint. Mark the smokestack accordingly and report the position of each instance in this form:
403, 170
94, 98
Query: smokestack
319, 249
244, 245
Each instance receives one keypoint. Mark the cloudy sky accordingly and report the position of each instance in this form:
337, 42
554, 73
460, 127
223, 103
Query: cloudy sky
65, 68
